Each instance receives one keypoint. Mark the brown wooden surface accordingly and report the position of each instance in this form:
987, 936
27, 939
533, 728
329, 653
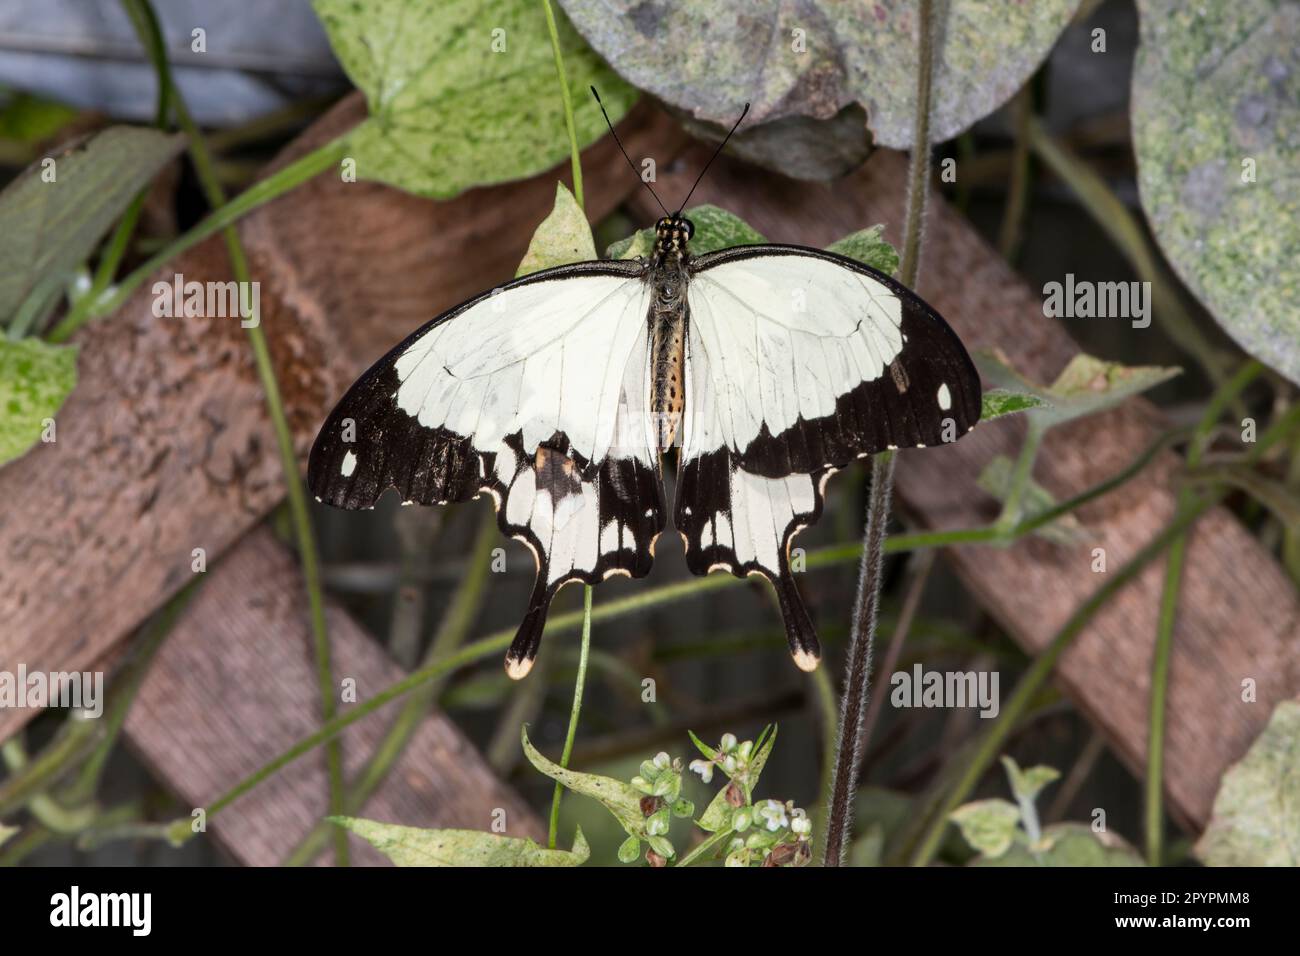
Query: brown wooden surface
234, 686
1238, 616
165, 446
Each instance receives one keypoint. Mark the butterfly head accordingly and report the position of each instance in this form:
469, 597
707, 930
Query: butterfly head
672, 233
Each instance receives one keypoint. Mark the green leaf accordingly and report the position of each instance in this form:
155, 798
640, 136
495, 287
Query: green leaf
35, 378
47, 229
412, 846
996, 480
1216, 96
1067, 844
1028, 784
563, 237
1086, 386
815, 57
1256, 817
869, 247
619, 798
714, 229
1000, 401
464, 92
6, 833
989, 826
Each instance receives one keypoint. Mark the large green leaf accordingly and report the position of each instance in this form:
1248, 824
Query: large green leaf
464, 92
1256, 818
35, 378
48, 228
412, 846
814, 57
1216, 98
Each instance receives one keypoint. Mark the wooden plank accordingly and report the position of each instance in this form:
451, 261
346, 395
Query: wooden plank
1239, 615
234, 686
165, 446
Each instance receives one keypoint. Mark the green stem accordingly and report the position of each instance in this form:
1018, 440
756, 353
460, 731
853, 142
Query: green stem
575, 710
146, 24
991, 744
568, 106
1157, 713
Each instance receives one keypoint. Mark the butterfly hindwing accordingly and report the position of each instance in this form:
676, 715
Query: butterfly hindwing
535, 394
798, 362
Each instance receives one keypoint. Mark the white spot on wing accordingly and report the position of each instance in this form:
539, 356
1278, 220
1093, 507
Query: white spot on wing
945, 397
349, 465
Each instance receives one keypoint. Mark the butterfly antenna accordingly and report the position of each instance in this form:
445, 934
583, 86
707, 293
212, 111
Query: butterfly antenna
624, 152
712, 158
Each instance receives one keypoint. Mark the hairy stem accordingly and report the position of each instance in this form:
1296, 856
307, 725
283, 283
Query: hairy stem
848, 757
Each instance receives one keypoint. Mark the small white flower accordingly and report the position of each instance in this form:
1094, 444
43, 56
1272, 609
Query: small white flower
663, 761
773, 812
800, 823
704, 768
728, 743
729, 764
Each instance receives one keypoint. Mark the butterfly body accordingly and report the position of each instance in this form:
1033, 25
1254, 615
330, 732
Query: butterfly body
766, 368
668, 274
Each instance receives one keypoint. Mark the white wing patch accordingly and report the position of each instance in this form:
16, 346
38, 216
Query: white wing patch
529, 360
786, 336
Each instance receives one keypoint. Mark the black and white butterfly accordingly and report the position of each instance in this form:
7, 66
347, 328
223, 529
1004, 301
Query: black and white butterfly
769, 367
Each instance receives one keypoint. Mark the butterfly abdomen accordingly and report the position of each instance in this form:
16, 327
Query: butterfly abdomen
668, 357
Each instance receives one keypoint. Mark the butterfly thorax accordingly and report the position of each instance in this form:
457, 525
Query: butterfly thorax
668, 277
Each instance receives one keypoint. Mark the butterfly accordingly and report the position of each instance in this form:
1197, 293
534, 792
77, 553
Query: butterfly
766, 367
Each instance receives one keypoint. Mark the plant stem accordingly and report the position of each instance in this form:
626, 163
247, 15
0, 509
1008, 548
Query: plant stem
987, 751
574, 711
146, 25
866, 604
1021, 475
568, 111
1157, 710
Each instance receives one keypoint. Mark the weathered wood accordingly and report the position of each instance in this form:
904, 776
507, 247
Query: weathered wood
234, 686
1238, 616
165, 446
